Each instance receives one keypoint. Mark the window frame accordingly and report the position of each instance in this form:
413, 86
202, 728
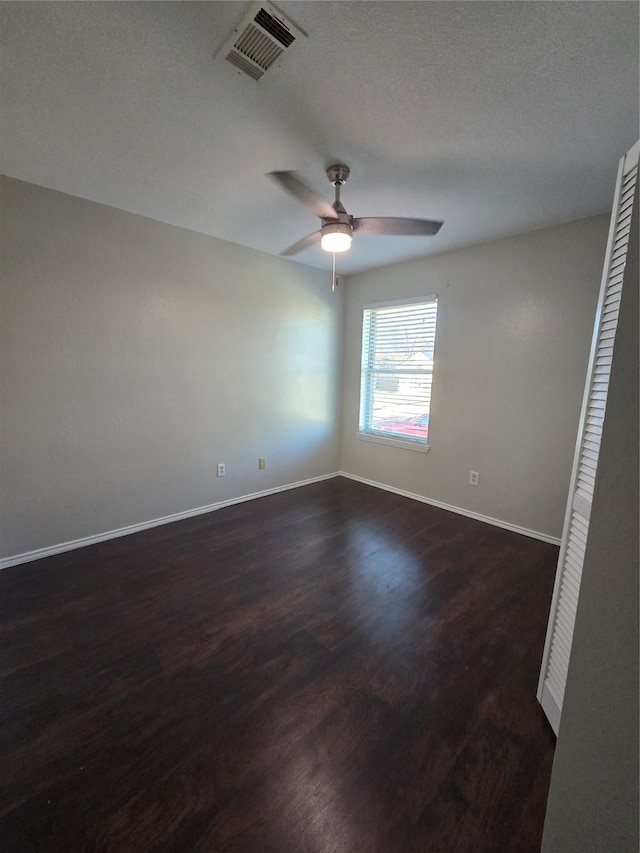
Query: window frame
378, 437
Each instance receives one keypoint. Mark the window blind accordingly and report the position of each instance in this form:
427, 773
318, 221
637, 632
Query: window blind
398, 344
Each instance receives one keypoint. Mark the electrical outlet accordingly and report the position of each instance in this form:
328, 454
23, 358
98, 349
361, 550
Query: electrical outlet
222, 469
474, 476
262, 462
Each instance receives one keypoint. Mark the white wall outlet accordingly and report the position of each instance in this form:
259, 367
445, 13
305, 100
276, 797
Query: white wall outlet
474, 476
262, 462
221, 469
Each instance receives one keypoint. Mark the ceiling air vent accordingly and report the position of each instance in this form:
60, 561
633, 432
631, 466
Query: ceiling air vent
260, 40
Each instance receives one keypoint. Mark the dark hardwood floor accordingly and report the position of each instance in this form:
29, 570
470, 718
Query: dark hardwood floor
332, 669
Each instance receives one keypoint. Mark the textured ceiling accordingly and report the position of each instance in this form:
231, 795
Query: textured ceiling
496, 117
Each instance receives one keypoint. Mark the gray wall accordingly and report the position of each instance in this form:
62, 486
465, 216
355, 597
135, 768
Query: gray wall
136, 355
514, 329
593, 799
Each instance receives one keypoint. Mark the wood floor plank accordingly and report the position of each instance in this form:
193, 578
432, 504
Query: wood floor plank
334, 668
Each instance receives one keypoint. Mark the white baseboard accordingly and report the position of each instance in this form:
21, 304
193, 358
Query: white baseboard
40, 553
515, 528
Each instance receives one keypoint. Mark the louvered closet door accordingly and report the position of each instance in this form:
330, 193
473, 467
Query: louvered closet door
555, 661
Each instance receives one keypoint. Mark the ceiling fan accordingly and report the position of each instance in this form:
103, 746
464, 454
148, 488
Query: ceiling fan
338, 226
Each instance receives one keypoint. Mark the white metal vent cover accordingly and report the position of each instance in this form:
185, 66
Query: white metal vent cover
260, 40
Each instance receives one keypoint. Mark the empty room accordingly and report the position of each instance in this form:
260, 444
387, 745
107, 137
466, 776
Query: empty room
319, 427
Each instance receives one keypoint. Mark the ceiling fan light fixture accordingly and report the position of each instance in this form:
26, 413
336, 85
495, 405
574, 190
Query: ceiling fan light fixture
336, 237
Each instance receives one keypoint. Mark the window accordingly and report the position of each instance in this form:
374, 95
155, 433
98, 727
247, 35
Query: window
398, 341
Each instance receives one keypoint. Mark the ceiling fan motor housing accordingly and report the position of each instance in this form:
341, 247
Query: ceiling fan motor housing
343, 219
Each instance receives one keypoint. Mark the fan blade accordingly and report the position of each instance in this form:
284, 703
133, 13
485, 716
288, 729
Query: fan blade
305, 243
308, 196
393, 226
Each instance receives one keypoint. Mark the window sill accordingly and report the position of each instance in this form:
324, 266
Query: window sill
394, 442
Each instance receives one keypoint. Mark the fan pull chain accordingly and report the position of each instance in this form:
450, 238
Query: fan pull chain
334, 281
